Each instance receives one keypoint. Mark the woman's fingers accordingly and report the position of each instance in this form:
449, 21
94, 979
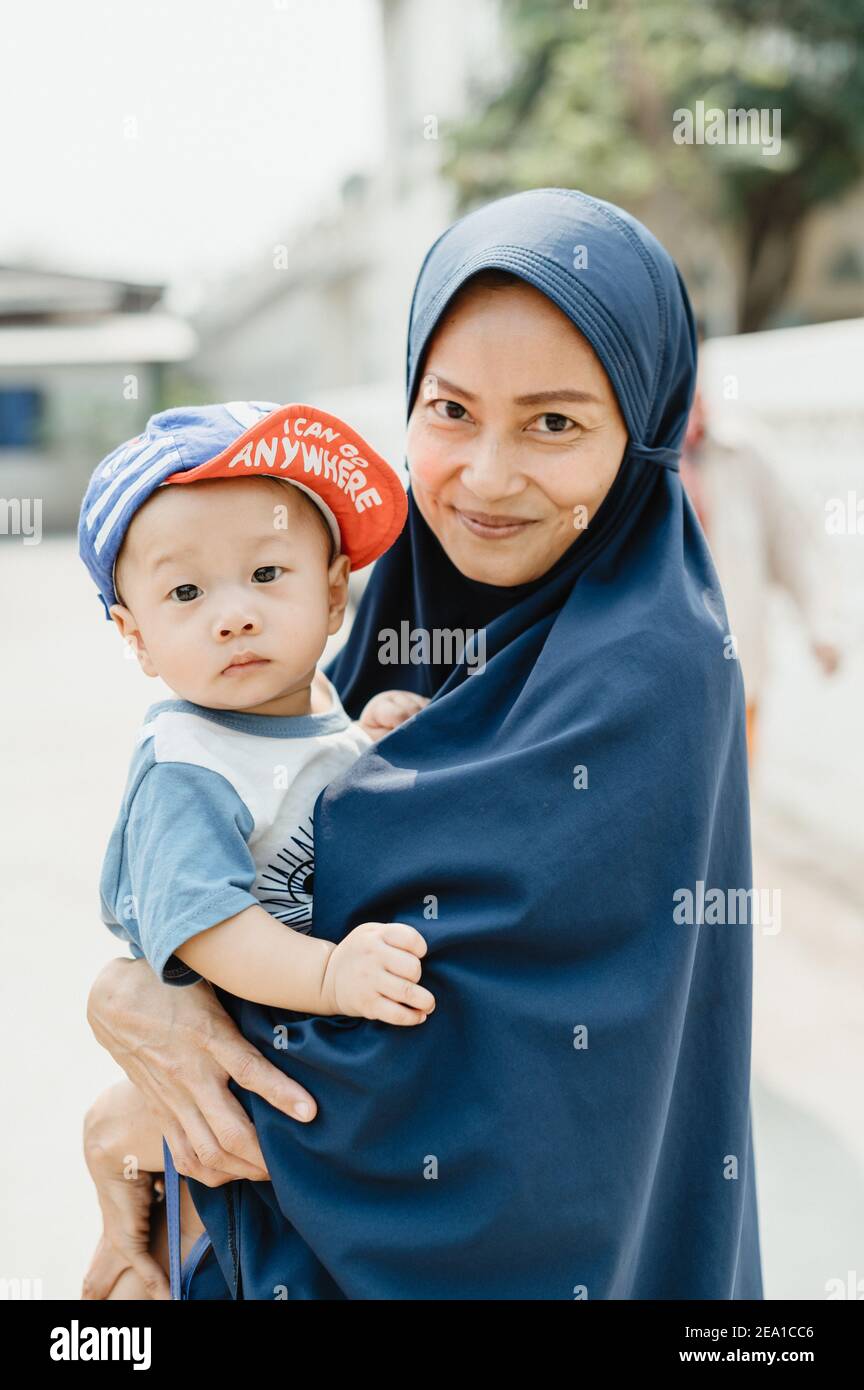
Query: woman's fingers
179, 1047
253, 1072
197, 1152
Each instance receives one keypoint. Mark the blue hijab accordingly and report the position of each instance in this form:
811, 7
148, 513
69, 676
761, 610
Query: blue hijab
573, 1120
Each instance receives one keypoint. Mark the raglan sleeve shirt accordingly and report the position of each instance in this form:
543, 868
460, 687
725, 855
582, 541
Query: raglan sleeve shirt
184, 863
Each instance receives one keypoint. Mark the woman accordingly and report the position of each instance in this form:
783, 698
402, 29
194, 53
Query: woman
574, 1119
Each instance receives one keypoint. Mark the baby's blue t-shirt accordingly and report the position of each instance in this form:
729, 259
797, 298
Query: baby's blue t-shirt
216, 817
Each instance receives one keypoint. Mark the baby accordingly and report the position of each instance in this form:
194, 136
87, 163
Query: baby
221, 542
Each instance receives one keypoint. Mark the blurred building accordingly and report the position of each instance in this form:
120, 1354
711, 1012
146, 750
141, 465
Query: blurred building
81, 367
324, 315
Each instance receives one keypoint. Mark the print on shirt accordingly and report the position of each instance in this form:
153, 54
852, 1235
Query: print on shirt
285, 888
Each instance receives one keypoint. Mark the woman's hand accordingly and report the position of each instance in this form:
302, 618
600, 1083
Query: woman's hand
179, 1047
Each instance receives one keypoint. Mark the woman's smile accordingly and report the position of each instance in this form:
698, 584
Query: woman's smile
491, 526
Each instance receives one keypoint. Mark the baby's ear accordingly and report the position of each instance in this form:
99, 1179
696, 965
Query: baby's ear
124, 621
340, 571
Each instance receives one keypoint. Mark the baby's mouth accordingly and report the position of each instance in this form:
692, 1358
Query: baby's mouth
245, 661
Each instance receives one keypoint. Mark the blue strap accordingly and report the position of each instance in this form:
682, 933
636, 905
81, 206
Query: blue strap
172, 1206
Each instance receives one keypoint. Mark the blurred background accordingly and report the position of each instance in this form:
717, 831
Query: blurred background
215, 201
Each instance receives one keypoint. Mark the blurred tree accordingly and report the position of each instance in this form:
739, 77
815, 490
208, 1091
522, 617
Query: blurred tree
591, 98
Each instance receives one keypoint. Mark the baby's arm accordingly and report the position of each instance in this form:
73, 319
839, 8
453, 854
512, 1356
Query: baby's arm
372, 973
191, 873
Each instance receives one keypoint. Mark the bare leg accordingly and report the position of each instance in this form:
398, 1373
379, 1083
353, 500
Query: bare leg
130, 1285
119, 1127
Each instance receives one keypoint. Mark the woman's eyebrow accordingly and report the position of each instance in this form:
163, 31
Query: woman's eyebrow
534, 398
565, 394
441, 383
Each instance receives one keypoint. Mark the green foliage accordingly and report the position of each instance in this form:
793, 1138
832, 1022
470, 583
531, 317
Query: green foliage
592, 93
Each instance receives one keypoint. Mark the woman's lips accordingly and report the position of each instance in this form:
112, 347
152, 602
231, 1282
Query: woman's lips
243, 663
492, 527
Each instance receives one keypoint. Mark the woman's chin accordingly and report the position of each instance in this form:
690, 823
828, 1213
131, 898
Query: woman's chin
504, 563
494, 570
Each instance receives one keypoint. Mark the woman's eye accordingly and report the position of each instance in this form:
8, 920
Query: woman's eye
553, 423
265, 574
184, 593
450, 410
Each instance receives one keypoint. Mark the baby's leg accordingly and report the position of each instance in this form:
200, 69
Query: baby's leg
191, 1227
120, 1126
130, 1285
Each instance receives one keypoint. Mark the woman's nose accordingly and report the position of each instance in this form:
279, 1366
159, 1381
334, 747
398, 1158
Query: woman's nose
489, 471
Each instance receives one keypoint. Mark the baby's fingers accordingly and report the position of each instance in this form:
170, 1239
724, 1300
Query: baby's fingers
405, 937
388, 1011
403, 991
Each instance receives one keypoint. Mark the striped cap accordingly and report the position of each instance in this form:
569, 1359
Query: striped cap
359, 494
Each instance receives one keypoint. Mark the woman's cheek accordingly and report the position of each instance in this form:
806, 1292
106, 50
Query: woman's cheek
581, 482
430, 462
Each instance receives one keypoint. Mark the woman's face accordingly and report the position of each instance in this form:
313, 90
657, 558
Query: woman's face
515, 436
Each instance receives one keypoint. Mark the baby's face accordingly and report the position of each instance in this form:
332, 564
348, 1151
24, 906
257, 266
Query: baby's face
226, 591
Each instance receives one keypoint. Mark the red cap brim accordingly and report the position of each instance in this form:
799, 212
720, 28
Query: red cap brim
319, 451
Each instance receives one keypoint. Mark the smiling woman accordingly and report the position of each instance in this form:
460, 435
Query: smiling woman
500, 454
573, 1119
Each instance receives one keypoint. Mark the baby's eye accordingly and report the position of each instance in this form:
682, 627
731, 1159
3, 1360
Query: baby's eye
452, 410
184, 593
265, 574
554, 423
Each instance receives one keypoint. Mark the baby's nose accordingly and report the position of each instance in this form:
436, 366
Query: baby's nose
230, 625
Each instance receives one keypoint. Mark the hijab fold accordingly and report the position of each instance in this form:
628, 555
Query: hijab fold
573, 1119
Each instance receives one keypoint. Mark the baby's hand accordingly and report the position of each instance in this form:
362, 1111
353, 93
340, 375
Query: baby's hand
388, 710
373, 973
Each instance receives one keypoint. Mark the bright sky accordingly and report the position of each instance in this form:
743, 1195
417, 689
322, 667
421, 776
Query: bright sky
172, 139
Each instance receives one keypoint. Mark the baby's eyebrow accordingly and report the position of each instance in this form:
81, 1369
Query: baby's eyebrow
189, 553
169, 558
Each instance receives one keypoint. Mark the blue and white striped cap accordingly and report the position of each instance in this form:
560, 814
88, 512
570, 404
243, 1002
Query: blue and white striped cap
174, 441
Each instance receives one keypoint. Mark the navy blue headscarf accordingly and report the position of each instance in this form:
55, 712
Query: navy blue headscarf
573, 1120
